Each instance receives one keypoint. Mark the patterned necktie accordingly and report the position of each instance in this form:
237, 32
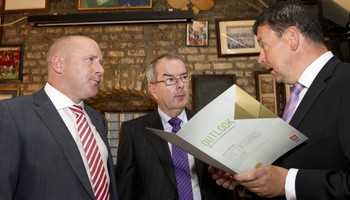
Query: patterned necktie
93, 155
292, 102
181, 166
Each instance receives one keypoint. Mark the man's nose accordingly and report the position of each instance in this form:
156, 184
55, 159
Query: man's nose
262, 58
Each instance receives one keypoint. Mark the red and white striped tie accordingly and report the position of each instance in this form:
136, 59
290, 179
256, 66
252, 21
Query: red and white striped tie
93, 155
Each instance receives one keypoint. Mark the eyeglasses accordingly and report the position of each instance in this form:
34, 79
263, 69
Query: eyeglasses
173, 80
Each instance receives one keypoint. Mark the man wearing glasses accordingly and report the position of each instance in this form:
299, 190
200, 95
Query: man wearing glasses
148, 167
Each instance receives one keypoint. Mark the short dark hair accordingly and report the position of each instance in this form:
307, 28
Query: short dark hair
291, 13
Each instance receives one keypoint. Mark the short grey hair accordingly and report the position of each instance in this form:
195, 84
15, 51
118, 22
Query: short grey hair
151, 71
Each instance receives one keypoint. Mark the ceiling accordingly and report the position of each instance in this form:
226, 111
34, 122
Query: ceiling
334, 10
337, 11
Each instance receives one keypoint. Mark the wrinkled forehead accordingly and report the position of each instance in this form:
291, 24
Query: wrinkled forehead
172, 66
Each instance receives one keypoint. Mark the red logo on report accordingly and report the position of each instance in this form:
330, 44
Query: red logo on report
294, 138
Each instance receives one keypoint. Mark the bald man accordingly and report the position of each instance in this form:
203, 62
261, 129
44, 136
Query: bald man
42, 151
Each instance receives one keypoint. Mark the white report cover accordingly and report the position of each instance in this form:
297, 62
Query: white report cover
235, 133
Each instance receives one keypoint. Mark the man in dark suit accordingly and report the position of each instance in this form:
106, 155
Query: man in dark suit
293, 50
145, 168
41, 153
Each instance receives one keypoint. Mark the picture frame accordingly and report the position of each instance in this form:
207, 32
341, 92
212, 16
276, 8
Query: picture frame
24, 6
7, 93
236, 38
11, 62
197, 34
206, 88
113, 4
286, 93
1, 28
267, 91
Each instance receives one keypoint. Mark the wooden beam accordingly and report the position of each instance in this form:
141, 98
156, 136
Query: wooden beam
263, 3
252, 5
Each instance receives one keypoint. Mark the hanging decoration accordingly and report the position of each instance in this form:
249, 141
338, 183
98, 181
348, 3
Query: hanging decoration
195, 5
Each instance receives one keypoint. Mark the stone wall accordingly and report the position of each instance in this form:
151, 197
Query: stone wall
127, 50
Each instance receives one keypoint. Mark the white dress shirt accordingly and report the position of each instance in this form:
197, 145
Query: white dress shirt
307, 77
167, 127
62, 104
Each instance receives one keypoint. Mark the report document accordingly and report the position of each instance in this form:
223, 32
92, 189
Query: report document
235, 133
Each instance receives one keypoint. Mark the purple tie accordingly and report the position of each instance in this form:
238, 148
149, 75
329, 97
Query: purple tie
292, 102
181, 166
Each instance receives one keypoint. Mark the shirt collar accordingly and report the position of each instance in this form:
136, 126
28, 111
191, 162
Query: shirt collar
165, 118
310, 73
58, 99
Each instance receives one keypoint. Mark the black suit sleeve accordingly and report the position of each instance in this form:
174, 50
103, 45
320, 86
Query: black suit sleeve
331, 184
10, 150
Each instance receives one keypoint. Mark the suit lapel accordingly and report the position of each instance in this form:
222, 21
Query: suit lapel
313, 92
316, 88
160, 146
51, 118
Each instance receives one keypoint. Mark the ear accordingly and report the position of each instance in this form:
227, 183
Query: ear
152, 90
293, 35
57, 64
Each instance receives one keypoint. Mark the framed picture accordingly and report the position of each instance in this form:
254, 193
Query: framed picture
7, 93
197, 33
24, 6
267, 91
11, 62
236, 38
206, 88
113, 4
1, 27
286, 91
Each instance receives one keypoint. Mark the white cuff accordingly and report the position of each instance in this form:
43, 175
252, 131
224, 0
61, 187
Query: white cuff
289, 187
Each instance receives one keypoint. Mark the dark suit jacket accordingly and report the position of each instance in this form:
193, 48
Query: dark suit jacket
324, 116
145, 168
38, 156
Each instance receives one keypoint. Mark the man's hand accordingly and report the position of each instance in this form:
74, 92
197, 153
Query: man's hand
222, 178
267, 181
